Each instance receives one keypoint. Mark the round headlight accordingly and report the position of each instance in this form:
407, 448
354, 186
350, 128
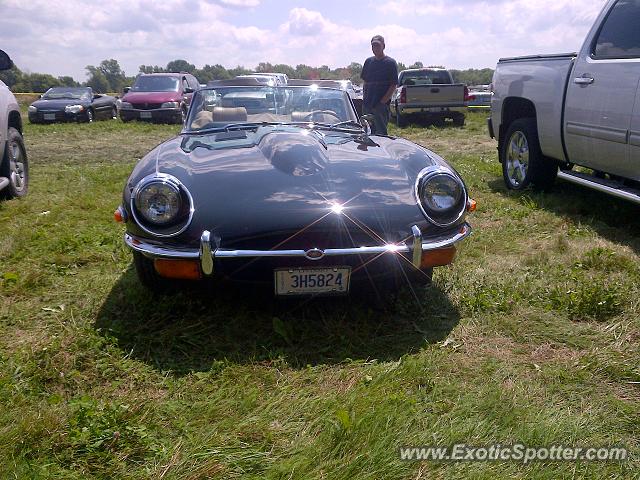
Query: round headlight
442, 196
161, 205
33, 109
159, 202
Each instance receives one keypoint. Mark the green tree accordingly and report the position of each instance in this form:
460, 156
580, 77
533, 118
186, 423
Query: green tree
68, 82
264, 67
286, 69
180, 66
212, 72
239, 70
113, 73
150, 69
97, 80
41, 82
416, 65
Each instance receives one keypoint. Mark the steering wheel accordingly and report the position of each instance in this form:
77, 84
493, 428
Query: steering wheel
311, 115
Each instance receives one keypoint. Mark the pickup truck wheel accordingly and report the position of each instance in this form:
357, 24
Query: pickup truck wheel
148, 276
401, 121
522, 160
458, 121
14, 166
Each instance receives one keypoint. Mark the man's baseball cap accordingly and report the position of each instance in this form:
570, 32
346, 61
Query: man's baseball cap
377, 39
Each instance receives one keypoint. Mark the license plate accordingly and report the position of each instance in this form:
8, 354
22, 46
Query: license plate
145, 114
49, 116
310, 281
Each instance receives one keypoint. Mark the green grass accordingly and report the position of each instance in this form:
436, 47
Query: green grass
531, 336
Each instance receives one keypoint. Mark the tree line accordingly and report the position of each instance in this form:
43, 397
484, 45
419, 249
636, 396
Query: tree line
109, 76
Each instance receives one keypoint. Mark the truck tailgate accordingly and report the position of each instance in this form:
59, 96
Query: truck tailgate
436, 95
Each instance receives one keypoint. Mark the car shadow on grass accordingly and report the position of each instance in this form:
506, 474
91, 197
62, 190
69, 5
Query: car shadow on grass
191, 329
615, 219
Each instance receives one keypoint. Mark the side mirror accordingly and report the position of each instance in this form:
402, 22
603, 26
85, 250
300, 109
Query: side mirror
96, 95
126, 89
366, 121
5, 61
188, 90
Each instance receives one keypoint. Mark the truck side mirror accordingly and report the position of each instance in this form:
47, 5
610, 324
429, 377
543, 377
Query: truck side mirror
5, 61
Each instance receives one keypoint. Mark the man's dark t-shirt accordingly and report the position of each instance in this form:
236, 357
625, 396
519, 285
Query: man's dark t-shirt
378, 75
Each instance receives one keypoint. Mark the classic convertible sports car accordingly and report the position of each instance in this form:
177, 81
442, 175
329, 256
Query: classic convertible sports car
286, 185
72, 104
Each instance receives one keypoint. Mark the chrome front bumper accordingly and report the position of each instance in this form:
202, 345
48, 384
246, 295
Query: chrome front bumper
207, 252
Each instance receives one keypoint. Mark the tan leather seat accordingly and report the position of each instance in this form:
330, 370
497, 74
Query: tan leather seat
301, 116
229, 114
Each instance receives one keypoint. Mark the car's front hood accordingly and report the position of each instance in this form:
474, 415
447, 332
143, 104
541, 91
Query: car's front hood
57, 104
275, 183
151, 97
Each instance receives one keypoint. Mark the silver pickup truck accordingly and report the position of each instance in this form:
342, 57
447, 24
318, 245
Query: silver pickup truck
13, 156
574, 116
428, 93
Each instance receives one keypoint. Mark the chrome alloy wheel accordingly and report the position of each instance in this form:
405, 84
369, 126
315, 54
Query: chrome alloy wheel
517, 158
17, 171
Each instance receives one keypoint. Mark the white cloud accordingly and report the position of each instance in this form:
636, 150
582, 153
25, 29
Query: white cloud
46, 36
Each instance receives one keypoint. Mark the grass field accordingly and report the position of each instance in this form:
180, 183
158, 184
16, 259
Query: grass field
532, 336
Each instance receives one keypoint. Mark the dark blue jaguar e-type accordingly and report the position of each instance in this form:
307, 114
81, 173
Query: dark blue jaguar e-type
287, 185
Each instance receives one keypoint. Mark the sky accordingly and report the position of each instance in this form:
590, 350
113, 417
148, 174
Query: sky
62, 37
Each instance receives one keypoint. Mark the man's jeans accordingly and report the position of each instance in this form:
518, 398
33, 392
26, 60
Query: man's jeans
380, 114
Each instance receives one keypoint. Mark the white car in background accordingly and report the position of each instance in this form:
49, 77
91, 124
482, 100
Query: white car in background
14, 168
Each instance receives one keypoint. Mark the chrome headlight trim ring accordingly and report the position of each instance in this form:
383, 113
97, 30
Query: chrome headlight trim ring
426, 174
166, 179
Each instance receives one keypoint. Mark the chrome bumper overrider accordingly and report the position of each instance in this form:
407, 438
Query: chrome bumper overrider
207, 253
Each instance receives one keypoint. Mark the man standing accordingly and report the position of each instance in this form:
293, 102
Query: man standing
380, 76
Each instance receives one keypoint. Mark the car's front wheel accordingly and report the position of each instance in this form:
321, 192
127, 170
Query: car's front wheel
458, 120
522, 160
400, 120
15, 166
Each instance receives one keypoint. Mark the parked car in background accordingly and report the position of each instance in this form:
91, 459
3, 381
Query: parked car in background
304, 199
428, 94
479, 97
159, 97
72, 104
345, 85
574, 110
14, 166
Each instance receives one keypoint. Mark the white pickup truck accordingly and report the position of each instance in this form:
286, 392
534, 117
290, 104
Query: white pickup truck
574, 116
13, 156
429, 93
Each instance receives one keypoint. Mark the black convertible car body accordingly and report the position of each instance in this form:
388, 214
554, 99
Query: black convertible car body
71, 104
296, 193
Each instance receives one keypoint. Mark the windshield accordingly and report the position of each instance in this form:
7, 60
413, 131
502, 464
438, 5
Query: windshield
425, 77
219, 107
66, 92
156, 84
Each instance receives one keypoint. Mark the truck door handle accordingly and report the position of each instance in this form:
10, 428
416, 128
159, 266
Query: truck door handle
583, 80
435, 90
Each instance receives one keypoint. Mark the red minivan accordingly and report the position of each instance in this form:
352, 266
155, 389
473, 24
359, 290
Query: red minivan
159, 97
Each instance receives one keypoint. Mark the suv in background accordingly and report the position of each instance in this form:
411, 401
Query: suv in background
159, 97
14, 169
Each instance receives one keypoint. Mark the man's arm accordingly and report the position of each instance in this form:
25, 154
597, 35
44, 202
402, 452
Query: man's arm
387, 96
393, 81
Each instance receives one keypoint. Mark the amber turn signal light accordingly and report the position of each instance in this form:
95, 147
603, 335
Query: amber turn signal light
178, 269
472, 205
120, 215
437, 258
